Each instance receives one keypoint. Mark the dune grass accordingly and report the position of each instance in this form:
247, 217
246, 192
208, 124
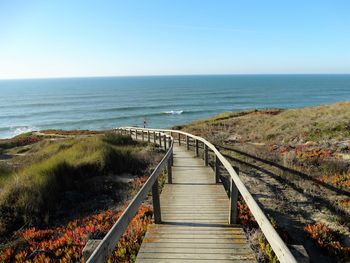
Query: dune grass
310, 139
280, 126
30, 192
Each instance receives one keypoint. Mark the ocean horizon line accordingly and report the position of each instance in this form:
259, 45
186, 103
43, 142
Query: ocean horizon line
176, 75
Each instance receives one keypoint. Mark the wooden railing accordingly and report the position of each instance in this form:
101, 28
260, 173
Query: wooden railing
236, 186
107, 245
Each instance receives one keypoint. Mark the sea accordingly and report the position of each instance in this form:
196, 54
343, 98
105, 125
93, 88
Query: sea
155, 101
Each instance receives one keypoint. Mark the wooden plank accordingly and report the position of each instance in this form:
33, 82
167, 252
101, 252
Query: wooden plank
191, 212
203, 256
173, 245
224, 227
200, 232
185, 250
197, 235
175, 260
198, 241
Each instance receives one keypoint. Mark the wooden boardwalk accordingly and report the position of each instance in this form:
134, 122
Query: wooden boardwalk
195, 212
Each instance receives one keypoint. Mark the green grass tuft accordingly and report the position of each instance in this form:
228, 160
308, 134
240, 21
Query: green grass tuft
114, 139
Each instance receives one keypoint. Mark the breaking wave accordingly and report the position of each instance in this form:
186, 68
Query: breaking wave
174, 112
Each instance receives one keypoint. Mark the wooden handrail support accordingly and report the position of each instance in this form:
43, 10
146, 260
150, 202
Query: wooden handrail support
109, 242
217, 169
164, 137
206, 157
281, 250
196, 148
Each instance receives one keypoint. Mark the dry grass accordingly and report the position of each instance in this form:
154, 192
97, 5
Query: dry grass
280, 126
308, 139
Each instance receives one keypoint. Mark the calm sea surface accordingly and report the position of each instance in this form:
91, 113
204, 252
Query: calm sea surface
99, 103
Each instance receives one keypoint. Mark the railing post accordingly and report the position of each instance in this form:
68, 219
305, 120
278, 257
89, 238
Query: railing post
233, 200
160, 139
164, 140
156, 203
169, 142
172, 157
217, 169
187, 142
197, 149
154, 137
148, 136
143, 135
130, 132
206, 161
136, 134
170, 173
179, 138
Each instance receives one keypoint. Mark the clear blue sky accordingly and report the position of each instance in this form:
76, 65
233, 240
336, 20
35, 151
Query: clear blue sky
159, 37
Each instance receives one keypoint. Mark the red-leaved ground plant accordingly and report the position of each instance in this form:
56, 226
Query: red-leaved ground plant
65, 243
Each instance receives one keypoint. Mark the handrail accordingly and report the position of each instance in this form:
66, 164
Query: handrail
278, 246
109, 242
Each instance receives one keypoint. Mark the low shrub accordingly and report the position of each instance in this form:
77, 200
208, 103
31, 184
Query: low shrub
65, 243
328, 240
258, 241
20, 140
341, 181
245, 217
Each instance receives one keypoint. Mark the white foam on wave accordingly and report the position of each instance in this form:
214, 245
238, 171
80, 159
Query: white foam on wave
23, 129
174, 112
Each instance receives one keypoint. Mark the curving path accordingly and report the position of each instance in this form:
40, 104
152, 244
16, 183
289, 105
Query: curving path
194, 211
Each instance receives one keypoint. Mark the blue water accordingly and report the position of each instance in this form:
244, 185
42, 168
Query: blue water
100, 103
